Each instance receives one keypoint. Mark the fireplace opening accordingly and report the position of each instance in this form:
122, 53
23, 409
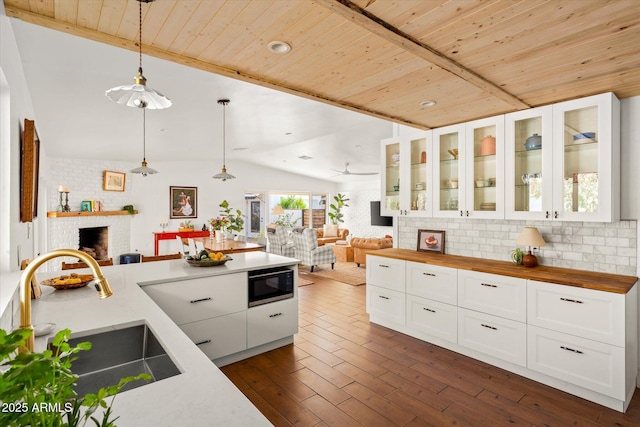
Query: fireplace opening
95, 242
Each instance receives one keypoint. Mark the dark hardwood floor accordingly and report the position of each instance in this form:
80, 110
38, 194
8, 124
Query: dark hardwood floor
344, 371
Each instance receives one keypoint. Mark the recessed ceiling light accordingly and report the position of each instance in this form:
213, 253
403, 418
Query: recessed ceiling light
280, 47
305, 157
240, 149
427, 104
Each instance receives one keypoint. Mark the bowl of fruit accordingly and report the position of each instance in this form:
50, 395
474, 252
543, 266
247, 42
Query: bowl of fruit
207, 259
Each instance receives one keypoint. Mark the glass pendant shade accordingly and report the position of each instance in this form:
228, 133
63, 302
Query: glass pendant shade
223, 175
144, 170
138, 95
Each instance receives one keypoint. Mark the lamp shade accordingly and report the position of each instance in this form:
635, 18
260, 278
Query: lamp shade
530, 236
277, 210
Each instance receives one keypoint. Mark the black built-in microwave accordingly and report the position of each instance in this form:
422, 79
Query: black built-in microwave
269, 285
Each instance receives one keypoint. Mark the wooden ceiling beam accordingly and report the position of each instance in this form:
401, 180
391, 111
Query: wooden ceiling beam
87, 33
359, 16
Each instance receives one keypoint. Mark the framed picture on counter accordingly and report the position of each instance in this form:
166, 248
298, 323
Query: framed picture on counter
184, 202
431, 241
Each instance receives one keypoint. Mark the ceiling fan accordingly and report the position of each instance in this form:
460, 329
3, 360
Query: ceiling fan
347, 172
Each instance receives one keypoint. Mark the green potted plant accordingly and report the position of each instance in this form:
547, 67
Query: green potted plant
37, 388
236, 219
336, 214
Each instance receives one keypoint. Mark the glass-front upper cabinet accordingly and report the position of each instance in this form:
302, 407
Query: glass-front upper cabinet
406, 189
448, 172
528, 167
390, 176
586, 136
484, 166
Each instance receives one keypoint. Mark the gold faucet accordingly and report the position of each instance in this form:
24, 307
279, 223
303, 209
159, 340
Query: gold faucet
100, 282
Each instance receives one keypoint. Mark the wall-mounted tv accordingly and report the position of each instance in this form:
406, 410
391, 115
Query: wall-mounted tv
377, 219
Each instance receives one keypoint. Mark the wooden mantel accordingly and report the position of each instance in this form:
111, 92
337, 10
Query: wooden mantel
100, 213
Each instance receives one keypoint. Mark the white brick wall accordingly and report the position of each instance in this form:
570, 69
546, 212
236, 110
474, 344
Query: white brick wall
357, 217
609, 247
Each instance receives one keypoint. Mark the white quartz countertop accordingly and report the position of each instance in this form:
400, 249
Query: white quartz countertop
201, 395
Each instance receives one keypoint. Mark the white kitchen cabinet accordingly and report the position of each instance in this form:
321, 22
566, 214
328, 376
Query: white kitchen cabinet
529, 164
573, 175
271, 322
406, 176
219, 336
386, 305
586, 135
432, 281
448, 171
197, 299
492, 293
433, 318
484, 165
386, 272
493, 335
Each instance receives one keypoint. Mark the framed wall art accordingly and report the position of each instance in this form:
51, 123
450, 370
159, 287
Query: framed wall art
431, 241
113, 181
184, 202
29, 171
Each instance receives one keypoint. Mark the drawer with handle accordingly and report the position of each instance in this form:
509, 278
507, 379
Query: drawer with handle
198, 299
490, 293
219, 336
433, 282
587, 313
386, 272
434, 318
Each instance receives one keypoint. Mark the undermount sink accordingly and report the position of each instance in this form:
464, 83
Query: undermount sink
120, 353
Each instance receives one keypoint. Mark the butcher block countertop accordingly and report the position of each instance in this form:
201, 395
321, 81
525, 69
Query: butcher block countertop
564, 276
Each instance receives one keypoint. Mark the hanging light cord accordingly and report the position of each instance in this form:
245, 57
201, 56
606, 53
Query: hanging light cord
140, 44
144, 135
224, 135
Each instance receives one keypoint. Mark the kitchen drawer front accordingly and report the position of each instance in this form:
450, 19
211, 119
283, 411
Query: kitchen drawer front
587, 313
433, 282
386, 272
433, 318
198, 299
586, 363
490, 293
385, 304
220, 336
270, 322
502, 338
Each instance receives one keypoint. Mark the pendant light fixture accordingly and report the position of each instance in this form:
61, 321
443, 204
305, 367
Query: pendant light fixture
144, 170
223, 175
138, 94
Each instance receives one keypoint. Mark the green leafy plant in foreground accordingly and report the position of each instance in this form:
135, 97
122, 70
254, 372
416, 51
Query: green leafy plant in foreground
36, 389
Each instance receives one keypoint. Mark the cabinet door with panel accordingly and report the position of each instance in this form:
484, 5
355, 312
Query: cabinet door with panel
271, 322
484, 164
432, 281
528, 167
448, 171
492, 293
385, 305
433, 318
198, 299
586, 137
219, 336
406, 178
386, 272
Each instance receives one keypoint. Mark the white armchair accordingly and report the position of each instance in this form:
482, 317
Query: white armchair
279, 242
308, 251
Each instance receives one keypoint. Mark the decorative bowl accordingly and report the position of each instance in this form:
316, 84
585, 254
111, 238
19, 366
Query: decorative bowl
534, 142
207, 262
72, 281
584, 135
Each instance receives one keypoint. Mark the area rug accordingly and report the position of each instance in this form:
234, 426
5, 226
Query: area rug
345, 272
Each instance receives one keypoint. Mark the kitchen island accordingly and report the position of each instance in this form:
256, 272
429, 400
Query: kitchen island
201, 395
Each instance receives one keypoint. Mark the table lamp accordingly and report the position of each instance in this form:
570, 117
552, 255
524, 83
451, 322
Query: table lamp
530, 237
278, 210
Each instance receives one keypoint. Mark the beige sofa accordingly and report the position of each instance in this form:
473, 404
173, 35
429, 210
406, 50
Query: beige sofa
343, 234
362, 246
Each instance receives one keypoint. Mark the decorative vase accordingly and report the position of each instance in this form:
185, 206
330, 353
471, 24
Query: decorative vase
212, 234
219, 236
488, 146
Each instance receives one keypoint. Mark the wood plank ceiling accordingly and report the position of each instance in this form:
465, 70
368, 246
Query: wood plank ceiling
382, 57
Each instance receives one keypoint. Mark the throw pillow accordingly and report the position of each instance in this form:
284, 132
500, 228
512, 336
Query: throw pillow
330, 230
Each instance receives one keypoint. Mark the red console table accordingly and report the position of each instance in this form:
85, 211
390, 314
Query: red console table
171, 235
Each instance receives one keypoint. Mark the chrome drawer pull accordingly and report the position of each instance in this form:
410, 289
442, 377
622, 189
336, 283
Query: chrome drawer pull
275, 315
489, 285
193, 301
383, 266
571, 349
203, 342
429, 274
571, 300
383, 297
488, 327
428, 309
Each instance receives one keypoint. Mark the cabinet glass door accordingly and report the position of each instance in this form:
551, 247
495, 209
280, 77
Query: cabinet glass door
391, 179
580, 189
485, 143
529, 168
417, 190
448, 179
